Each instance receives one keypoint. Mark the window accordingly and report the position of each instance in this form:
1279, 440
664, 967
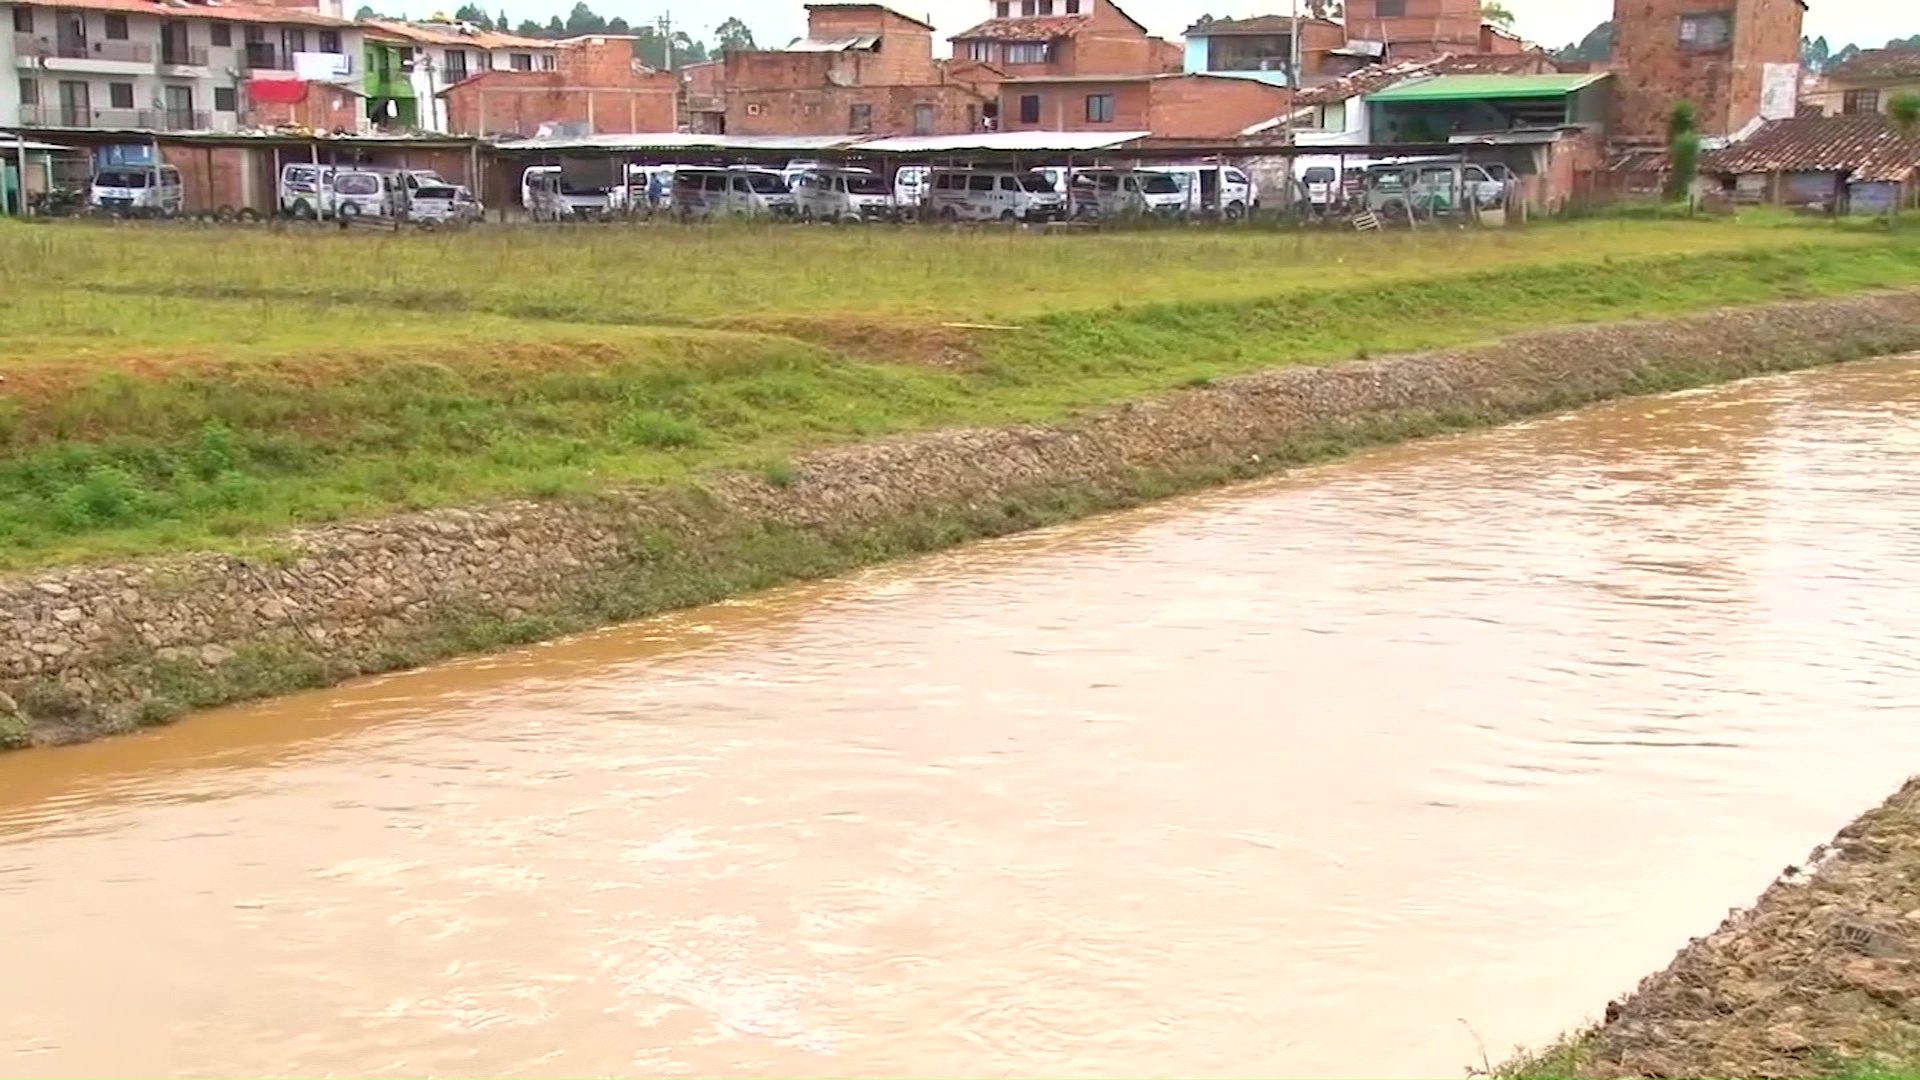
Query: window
1710, 31
1391, 9
1073, 7
1029, 108
976, 50
1029, 7
29, 88
1027, 52
120, 95
859, 119
1008, 183
1001, 10
330, 41
223, 99
520, 61
294, 40
1099, 108
549, 62
923, 119
116, 27
221, 34
23, 20
979, 183
255, 34
455, 68
1860, 102
1046, 7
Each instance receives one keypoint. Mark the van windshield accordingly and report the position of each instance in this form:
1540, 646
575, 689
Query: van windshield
432, 192
767, 183
357, 184
121, 178
1319, 174
1159, 184
1036, 183
866, 184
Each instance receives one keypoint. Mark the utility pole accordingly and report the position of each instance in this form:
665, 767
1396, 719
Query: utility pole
665, 23
1293, 69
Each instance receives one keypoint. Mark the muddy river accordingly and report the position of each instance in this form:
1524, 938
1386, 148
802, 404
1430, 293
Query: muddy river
1348, 773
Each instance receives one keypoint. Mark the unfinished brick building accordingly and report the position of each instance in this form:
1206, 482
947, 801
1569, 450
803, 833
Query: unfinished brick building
862, 69
1737, 61
1417, 29
1176, 106
596, 87
1065, 38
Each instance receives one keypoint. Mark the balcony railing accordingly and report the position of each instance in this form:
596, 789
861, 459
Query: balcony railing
183, 56
264, 56
130, 52
67, 116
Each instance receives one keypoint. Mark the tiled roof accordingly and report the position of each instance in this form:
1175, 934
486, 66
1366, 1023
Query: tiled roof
1258, 24
1867, 148
246, 13
1880, 64
1041, 28
451, 34
1376, 77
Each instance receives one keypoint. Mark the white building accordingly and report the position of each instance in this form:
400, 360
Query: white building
184, 66
431, 56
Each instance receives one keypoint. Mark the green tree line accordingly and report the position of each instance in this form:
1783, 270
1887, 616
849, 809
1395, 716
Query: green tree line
653, 44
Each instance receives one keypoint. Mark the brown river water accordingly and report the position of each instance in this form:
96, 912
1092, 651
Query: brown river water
1339, 774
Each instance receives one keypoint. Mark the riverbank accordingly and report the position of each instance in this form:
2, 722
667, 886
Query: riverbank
100, 648
1820, 978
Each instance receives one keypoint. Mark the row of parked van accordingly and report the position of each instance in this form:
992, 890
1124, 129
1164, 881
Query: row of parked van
814, 191
338, 192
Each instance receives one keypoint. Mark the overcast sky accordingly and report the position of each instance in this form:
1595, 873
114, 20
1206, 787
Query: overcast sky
1549, 22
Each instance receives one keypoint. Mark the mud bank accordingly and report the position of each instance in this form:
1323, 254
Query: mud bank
1821, 977
99, 649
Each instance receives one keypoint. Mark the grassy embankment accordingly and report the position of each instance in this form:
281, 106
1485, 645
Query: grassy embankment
179, 389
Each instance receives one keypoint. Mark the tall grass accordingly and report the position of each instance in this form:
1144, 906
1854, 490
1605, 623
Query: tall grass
142, 412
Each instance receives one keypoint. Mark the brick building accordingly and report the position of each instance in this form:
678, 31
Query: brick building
1416, 29
1867, 83
862, 69
1065, 38
1262, 48
1170, 106
1737, 61
596, 86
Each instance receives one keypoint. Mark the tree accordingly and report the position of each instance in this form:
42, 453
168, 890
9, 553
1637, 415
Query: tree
500, 22
1904, 111
555, 28
582, 20
1495, 13
733, 34
529, 28
1595, 47
1683, 149
1815, 53
618, 25
365, 12
475, 14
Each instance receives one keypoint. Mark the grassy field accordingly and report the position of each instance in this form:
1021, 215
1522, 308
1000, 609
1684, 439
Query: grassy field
178, 388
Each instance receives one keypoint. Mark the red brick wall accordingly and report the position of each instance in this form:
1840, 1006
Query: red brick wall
324, 109
1197, 107
1652, 71
217, 177
595, 84
906, 48
828, 110
1063, 106
1429, 27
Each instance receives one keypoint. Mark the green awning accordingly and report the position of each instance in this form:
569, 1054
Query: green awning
1482, 87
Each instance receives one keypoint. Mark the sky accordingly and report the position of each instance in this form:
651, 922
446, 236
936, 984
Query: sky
1550, 22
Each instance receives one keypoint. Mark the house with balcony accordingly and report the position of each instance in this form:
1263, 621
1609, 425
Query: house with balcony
1030, 39
1262, 48
411, 65
143, 65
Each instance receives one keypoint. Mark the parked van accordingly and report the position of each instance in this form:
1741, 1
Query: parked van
842, 195
444, 204
548, 196
910, 188
138, 191
306, 191
739, 191
1222, 190
367, 193
1118, 193
993, 195
1432, 187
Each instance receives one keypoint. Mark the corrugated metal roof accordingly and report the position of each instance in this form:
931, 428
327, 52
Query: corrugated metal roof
675, 140
1482, 87
1377, 77
1867, 148
1037, 142
1870, 64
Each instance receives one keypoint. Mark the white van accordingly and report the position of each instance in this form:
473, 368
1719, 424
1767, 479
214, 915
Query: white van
1225, 190
444, 204
138, 191
910, 187
546, 196
992, 195
366, 193
306, 191
703, 193
842, 195
1118, 193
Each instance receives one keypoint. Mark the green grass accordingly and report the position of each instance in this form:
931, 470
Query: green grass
178, 389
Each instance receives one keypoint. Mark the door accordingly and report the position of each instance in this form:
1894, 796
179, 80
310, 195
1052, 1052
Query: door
178, 101
71, 39
75, 108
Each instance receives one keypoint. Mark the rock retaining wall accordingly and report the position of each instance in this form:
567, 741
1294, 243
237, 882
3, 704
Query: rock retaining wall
96, 649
